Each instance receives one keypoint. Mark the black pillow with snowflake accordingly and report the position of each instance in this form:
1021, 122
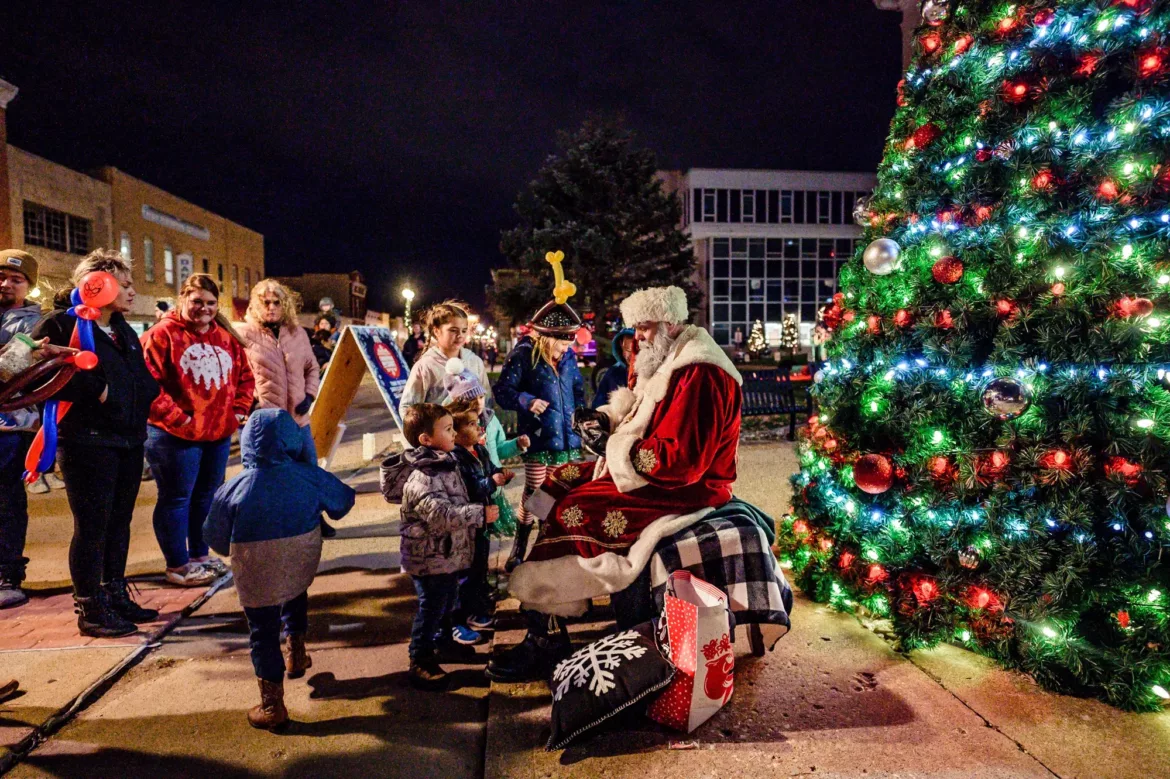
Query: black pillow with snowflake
605, 678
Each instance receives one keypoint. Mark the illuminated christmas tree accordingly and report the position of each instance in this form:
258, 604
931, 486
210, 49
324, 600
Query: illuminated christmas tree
757, 344
790, 334
990, 465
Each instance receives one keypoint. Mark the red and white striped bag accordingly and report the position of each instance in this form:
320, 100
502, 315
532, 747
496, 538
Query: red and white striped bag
698, 642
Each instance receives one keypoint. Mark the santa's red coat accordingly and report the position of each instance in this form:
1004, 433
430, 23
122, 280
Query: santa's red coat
684, 461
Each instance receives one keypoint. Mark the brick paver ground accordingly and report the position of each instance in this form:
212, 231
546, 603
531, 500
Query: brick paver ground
48, 621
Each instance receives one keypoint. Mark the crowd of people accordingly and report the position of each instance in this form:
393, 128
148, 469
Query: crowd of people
176, 396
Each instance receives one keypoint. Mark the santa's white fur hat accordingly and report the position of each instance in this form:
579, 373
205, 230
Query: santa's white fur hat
657, 304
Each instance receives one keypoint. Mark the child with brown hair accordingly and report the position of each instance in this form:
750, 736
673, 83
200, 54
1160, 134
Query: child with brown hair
447, 327
438, 524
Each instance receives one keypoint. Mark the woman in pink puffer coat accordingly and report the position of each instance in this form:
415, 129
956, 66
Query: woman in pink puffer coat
281, 357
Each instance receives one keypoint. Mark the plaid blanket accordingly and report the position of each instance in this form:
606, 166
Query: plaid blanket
729, 549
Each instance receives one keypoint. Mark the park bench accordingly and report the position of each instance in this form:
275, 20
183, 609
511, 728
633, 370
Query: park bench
773, 392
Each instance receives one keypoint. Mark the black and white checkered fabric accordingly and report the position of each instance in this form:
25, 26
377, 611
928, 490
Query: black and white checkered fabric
733, 554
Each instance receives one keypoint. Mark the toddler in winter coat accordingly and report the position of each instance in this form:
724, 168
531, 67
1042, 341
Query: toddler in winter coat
268, 519
437, 524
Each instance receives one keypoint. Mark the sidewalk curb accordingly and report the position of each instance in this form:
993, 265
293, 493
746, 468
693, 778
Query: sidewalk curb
11, 757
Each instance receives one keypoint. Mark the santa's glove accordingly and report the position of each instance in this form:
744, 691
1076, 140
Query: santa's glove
304, 406
593, 427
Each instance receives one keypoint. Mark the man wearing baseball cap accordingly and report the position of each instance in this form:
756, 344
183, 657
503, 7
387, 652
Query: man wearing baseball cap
18, 277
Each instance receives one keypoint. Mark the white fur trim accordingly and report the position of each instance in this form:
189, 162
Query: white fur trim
657, 304
454, 367
542, 585
621, 465
621, 401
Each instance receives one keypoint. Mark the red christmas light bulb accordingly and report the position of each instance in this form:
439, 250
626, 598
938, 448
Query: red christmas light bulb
1058, 288
1044, 17
873, 324
800, 527
1087, 64
1015, 91
1123, 618
982, 155
979, 598
944, 320
1107, 190
931, 42
876, 573
1149, 63
962, 43
925, 590
846, 559
903, 318
1130, 472
825, 544
1005, 307
1042, 180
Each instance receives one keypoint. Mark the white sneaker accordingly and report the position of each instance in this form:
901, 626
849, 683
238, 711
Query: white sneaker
191, 575
39, 487
54, 481
217, 566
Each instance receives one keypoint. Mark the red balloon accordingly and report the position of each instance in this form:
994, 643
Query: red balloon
87, 312
873, 473
98, 289
584, 336
86, 361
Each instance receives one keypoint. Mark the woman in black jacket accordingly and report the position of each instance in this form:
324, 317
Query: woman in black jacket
100, 450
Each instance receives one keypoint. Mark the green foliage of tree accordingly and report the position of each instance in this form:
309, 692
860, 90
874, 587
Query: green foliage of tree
600, 201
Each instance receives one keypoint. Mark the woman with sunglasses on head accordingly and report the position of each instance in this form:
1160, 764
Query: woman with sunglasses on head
207, 387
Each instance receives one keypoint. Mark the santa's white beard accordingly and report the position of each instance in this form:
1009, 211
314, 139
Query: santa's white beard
652, 355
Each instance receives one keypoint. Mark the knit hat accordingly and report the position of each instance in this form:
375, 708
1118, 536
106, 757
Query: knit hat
557, 318
460, 383
657, 304
15, 259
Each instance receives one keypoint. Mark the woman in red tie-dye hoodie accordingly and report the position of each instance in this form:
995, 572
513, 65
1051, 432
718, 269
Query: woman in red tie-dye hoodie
207, 388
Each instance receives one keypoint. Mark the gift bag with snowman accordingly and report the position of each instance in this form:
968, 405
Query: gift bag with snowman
696, 635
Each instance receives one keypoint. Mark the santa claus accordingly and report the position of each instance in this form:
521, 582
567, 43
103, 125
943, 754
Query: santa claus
670, 459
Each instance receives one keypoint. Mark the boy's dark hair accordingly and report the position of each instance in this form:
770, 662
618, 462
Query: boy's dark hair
464, 412
421, 418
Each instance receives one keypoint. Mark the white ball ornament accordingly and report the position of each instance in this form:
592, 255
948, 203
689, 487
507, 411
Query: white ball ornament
882, 257
934, 11
819, 376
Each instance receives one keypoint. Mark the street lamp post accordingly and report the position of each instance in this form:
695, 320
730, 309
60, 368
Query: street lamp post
407, 293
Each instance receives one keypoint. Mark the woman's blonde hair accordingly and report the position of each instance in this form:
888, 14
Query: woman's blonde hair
443, 313
202, 282
106, 260
290, 302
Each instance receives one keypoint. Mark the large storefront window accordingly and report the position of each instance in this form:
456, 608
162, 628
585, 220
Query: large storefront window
768, 278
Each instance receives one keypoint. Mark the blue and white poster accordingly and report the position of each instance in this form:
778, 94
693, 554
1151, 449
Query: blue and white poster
385, 362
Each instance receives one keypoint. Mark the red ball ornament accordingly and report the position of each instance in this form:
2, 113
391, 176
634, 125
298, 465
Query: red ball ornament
939, 467
947, 270
873, 474
902, 93
1006, 308
982, 214
982, 155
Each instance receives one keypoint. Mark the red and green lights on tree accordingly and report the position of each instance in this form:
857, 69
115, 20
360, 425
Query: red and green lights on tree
990, 463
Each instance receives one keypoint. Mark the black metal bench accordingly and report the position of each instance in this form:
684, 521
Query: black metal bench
772, 392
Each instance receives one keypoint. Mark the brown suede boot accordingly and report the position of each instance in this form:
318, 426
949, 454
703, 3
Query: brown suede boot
271, 713
296, 656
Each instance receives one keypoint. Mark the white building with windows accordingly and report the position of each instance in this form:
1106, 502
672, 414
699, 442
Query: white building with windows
767, 243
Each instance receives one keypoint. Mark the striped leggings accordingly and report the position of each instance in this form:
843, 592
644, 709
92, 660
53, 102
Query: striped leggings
534, 475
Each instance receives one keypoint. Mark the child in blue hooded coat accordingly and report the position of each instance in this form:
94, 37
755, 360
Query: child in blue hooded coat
268, 519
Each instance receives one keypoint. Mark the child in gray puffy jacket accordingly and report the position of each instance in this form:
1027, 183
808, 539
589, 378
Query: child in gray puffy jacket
438, 523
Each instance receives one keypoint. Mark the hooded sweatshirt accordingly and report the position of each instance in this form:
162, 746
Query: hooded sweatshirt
20, 319
617, 375
268, 517
204, 377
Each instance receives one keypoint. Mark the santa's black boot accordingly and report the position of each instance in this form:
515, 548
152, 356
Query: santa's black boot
533, 659
519, 547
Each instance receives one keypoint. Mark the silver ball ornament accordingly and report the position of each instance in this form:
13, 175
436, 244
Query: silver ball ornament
934, 11
861, 214
882, 257
1006, 398
819, 376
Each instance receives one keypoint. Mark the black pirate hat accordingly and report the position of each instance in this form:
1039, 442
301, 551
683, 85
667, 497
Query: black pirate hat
557, 318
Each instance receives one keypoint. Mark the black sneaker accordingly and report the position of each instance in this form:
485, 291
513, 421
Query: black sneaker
427, 674
118, 596
10, 578
96, 619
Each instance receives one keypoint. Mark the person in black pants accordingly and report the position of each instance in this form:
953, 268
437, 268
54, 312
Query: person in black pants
100, 450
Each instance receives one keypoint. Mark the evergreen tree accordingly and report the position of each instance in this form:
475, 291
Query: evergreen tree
790, 334
990, 465
601, 202
757, 344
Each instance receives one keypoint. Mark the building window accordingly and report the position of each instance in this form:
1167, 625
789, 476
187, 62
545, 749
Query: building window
168, 265
749, 205
206, 265
786, 206
125, 247
248, 281
219, 274
34, 225
709, 201
235, 281
148, 258
824, 208
78, 234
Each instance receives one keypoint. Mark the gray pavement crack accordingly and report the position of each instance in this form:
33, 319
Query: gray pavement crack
986, 722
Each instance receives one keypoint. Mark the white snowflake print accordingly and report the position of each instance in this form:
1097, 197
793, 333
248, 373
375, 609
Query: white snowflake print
573, 516
206, 365
614, 524
596, 663
645, 461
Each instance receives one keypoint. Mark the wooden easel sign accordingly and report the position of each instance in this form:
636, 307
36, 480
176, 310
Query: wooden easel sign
360, 349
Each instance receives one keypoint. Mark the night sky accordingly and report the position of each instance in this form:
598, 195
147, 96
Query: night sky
394, 137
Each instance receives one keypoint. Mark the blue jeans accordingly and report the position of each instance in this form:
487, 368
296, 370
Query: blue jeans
187, 474
437, 594
264, 631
